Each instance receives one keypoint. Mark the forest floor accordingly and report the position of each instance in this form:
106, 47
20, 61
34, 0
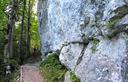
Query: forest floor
30, 73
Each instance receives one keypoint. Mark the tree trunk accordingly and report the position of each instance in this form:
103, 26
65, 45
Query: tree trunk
21, 32
8, 49
28, 30
11, 26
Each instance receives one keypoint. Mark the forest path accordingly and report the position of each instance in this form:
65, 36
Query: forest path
30, 73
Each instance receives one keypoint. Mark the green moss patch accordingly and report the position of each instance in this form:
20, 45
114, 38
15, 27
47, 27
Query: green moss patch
73, 77
114, 33
113, 21
121, 12
52, 70
95, 43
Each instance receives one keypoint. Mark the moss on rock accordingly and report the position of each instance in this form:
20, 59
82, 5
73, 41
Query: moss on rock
73, 77
95, 43
113, 21
114, 33
121, 12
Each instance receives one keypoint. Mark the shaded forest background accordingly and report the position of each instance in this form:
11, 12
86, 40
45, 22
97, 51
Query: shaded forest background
18, 35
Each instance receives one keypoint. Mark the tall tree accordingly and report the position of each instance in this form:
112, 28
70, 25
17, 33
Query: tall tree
10, 27
21, 31
28, 29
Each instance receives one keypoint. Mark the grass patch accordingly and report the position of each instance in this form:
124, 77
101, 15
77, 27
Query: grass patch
73, 77
52, 70
95, 43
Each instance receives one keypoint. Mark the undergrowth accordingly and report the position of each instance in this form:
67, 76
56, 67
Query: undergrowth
52, 70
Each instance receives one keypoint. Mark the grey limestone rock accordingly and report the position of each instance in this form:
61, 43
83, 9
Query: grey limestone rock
67, 77
79, 29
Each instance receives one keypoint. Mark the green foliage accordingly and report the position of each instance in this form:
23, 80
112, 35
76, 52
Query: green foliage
15, 76
52, 70
3, 24
95, 43
73, 77
3, 16
35, 41
11, 76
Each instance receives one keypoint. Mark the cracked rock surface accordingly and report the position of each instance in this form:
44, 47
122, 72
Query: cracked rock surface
91, 36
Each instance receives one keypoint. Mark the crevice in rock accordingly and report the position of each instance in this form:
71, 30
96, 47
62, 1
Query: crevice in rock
124, 66
81, 55
72, 42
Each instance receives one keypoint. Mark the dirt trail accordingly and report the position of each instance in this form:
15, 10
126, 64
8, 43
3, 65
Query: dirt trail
30, 73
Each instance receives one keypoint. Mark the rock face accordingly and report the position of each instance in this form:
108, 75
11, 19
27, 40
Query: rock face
67, 77
90, 35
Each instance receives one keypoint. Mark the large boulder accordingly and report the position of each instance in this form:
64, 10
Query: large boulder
90, 35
